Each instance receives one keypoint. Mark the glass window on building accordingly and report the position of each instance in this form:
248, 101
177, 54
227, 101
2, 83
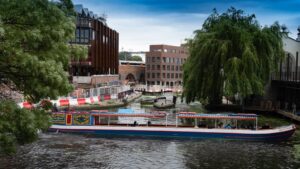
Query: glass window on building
158, 82
167, 60
165, 50
148, 75
153, 75
148, 67
158, 67
157, 59
180, 67
162, 83
176, 68
168, 75
180, 75
93, 35
168, 67
153, 67
164, 59
164, 75
176, 75
172, 75
164, 67
174, 60
157, 75
153, 59
172, 68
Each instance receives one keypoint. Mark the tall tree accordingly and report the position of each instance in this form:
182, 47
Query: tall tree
231, 54
34, 53
34, 58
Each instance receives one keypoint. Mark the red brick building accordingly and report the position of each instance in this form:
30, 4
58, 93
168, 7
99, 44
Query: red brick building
132, 71
164, 65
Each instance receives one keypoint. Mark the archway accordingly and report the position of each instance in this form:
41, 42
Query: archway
130, 77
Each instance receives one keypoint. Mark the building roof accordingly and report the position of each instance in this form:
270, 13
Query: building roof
79, 9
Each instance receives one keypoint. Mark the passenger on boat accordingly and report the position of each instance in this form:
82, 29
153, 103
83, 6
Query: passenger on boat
135, 123
220, 125
149, 123
202, 124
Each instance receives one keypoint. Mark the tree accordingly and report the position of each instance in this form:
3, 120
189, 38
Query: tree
34, 53
123, 55
34, 59
136, 58
231, 54
127, 56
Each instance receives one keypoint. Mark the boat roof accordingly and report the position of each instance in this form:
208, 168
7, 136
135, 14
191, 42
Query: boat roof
125, 111
237, 116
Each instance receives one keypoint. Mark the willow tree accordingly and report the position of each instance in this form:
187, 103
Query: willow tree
231, 54
34, 58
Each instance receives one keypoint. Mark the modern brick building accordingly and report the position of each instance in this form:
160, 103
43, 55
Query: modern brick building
164, 65
102, 42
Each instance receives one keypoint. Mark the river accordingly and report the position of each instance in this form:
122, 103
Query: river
58, 150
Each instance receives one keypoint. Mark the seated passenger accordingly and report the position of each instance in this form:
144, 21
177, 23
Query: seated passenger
135, 123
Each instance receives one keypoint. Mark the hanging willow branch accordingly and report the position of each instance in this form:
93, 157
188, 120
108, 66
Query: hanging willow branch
231, 54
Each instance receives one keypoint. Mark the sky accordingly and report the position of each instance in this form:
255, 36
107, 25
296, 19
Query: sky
141, 23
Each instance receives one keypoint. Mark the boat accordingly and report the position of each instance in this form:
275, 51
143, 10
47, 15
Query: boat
103, 123
164, 104
150, 100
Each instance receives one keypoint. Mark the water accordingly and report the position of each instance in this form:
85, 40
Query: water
79, 151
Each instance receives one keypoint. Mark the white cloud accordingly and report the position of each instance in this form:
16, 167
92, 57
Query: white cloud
136, 33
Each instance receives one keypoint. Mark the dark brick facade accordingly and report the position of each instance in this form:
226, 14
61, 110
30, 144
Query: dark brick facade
102, 42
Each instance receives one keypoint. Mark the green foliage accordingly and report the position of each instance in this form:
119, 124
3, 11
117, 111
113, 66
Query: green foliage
34, 56
231, 54
136, 58
127, 56
19, 126
123, 55
34, 50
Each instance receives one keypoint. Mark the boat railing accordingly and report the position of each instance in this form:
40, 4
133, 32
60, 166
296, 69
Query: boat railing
236, 117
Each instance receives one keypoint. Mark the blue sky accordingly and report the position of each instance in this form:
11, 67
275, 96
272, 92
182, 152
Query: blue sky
144, 22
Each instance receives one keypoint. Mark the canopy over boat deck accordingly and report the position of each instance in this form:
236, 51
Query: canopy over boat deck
193, 115
233, 116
